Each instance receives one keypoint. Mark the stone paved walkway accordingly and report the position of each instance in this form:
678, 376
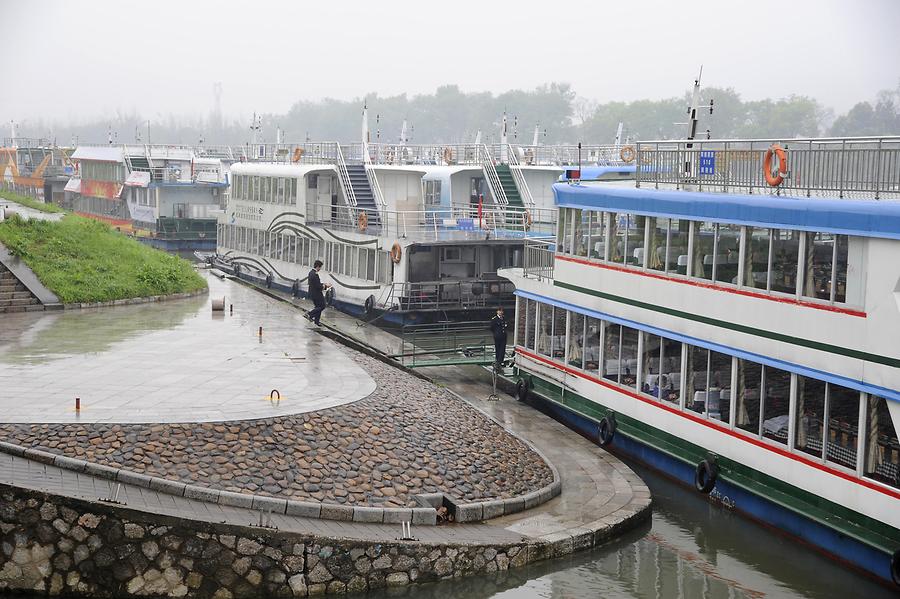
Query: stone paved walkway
171, 362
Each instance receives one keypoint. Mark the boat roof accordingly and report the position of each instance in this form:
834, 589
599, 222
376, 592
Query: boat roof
99, 153
865, 218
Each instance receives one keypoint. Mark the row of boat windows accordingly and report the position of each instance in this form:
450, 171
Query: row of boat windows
273, 190
737, 393
100, 206
804, 264
102, 171
338, 258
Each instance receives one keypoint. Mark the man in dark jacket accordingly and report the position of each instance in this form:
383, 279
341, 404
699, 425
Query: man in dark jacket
498, 328
316, 293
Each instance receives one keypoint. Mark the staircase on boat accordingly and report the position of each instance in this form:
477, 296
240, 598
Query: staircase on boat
513, 197
362, 189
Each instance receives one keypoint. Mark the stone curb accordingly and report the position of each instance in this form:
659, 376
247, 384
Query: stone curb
134, 300
485, 510
290, 507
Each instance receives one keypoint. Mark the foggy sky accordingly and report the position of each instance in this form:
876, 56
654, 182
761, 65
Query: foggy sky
75, 61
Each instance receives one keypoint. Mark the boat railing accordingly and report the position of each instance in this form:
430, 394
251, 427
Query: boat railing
488, 165
436, 224
568, 155
174, 174
424, 154
449, 295
539, 259
850, 167
344, 177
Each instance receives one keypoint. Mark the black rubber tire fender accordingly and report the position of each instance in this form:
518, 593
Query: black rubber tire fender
705, 476
606, 431
369, 305
522, 390
329, 296
895, 567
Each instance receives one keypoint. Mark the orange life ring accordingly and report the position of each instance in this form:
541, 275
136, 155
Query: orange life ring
298, 154
448, 155
775, 180
396, 252
362, 221
528, 220
627, 154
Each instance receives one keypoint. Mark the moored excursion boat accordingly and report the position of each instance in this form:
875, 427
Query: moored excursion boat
731, 318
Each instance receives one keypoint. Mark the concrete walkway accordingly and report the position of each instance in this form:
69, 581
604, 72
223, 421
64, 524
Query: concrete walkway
172, 361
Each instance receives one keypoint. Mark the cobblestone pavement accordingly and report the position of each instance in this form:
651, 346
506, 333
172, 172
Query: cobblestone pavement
173, 361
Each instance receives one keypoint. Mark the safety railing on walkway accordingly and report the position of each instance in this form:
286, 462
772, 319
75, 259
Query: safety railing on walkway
467, 294
446, 344
539, 259
851, 167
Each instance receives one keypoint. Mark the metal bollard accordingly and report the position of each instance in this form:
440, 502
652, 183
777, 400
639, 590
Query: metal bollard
260, 331
77, 404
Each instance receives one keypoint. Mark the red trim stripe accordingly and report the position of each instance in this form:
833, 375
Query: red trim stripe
710, 424
694, 283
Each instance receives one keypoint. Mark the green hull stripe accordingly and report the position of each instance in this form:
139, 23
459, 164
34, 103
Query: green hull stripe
827, 513
826, 347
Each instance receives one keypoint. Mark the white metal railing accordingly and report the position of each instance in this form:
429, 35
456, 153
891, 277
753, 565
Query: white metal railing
425, 154
344, 177
852, 167
519, 178
539, 259
458, 223
569, 155
492, 178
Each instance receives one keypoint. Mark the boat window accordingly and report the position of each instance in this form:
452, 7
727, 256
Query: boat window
562, 231
842, 433
839, 278
612, 345
748, 396
756, 257
592, 344
629, 358
658, 250
785, 250
776, 403
578, 241
810, 425
370, 264
596, 235
531, 314
626, 239
521, 308
882, 450
545, 329
816, 267
726, 260
670, 370
432, 193
558, 338
704, 239
651, 359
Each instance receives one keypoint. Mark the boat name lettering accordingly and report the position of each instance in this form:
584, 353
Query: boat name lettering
249, 213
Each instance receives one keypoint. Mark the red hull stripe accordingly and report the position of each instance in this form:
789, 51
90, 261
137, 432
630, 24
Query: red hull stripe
693, 283
710, 424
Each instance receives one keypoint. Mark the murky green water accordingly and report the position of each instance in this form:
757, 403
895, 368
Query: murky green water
690, 549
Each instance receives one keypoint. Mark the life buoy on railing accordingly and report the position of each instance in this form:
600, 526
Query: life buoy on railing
627, 154
448, 155
298, 154
362, 221
527, 220
396, 252
775, 179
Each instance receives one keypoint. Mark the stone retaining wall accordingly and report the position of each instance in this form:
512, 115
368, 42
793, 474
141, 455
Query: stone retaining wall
60, 546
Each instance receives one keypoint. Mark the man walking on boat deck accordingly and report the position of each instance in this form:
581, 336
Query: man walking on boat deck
316, 293
498, 328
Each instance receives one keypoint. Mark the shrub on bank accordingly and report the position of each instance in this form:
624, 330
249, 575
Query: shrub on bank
29, 202
82, 260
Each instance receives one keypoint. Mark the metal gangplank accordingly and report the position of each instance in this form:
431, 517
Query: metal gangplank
446, 344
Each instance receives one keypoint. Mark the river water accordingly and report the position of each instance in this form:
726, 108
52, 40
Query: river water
691, 548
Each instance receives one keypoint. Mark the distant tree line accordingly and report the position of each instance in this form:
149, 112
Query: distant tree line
450, 115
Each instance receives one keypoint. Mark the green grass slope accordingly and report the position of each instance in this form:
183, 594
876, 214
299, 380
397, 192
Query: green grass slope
82, 260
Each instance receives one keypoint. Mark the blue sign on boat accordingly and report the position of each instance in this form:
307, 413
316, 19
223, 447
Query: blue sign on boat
707, 162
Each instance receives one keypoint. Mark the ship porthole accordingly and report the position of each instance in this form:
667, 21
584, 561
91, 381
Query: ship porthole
607, 430
705, 476
522, 390
895, 567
